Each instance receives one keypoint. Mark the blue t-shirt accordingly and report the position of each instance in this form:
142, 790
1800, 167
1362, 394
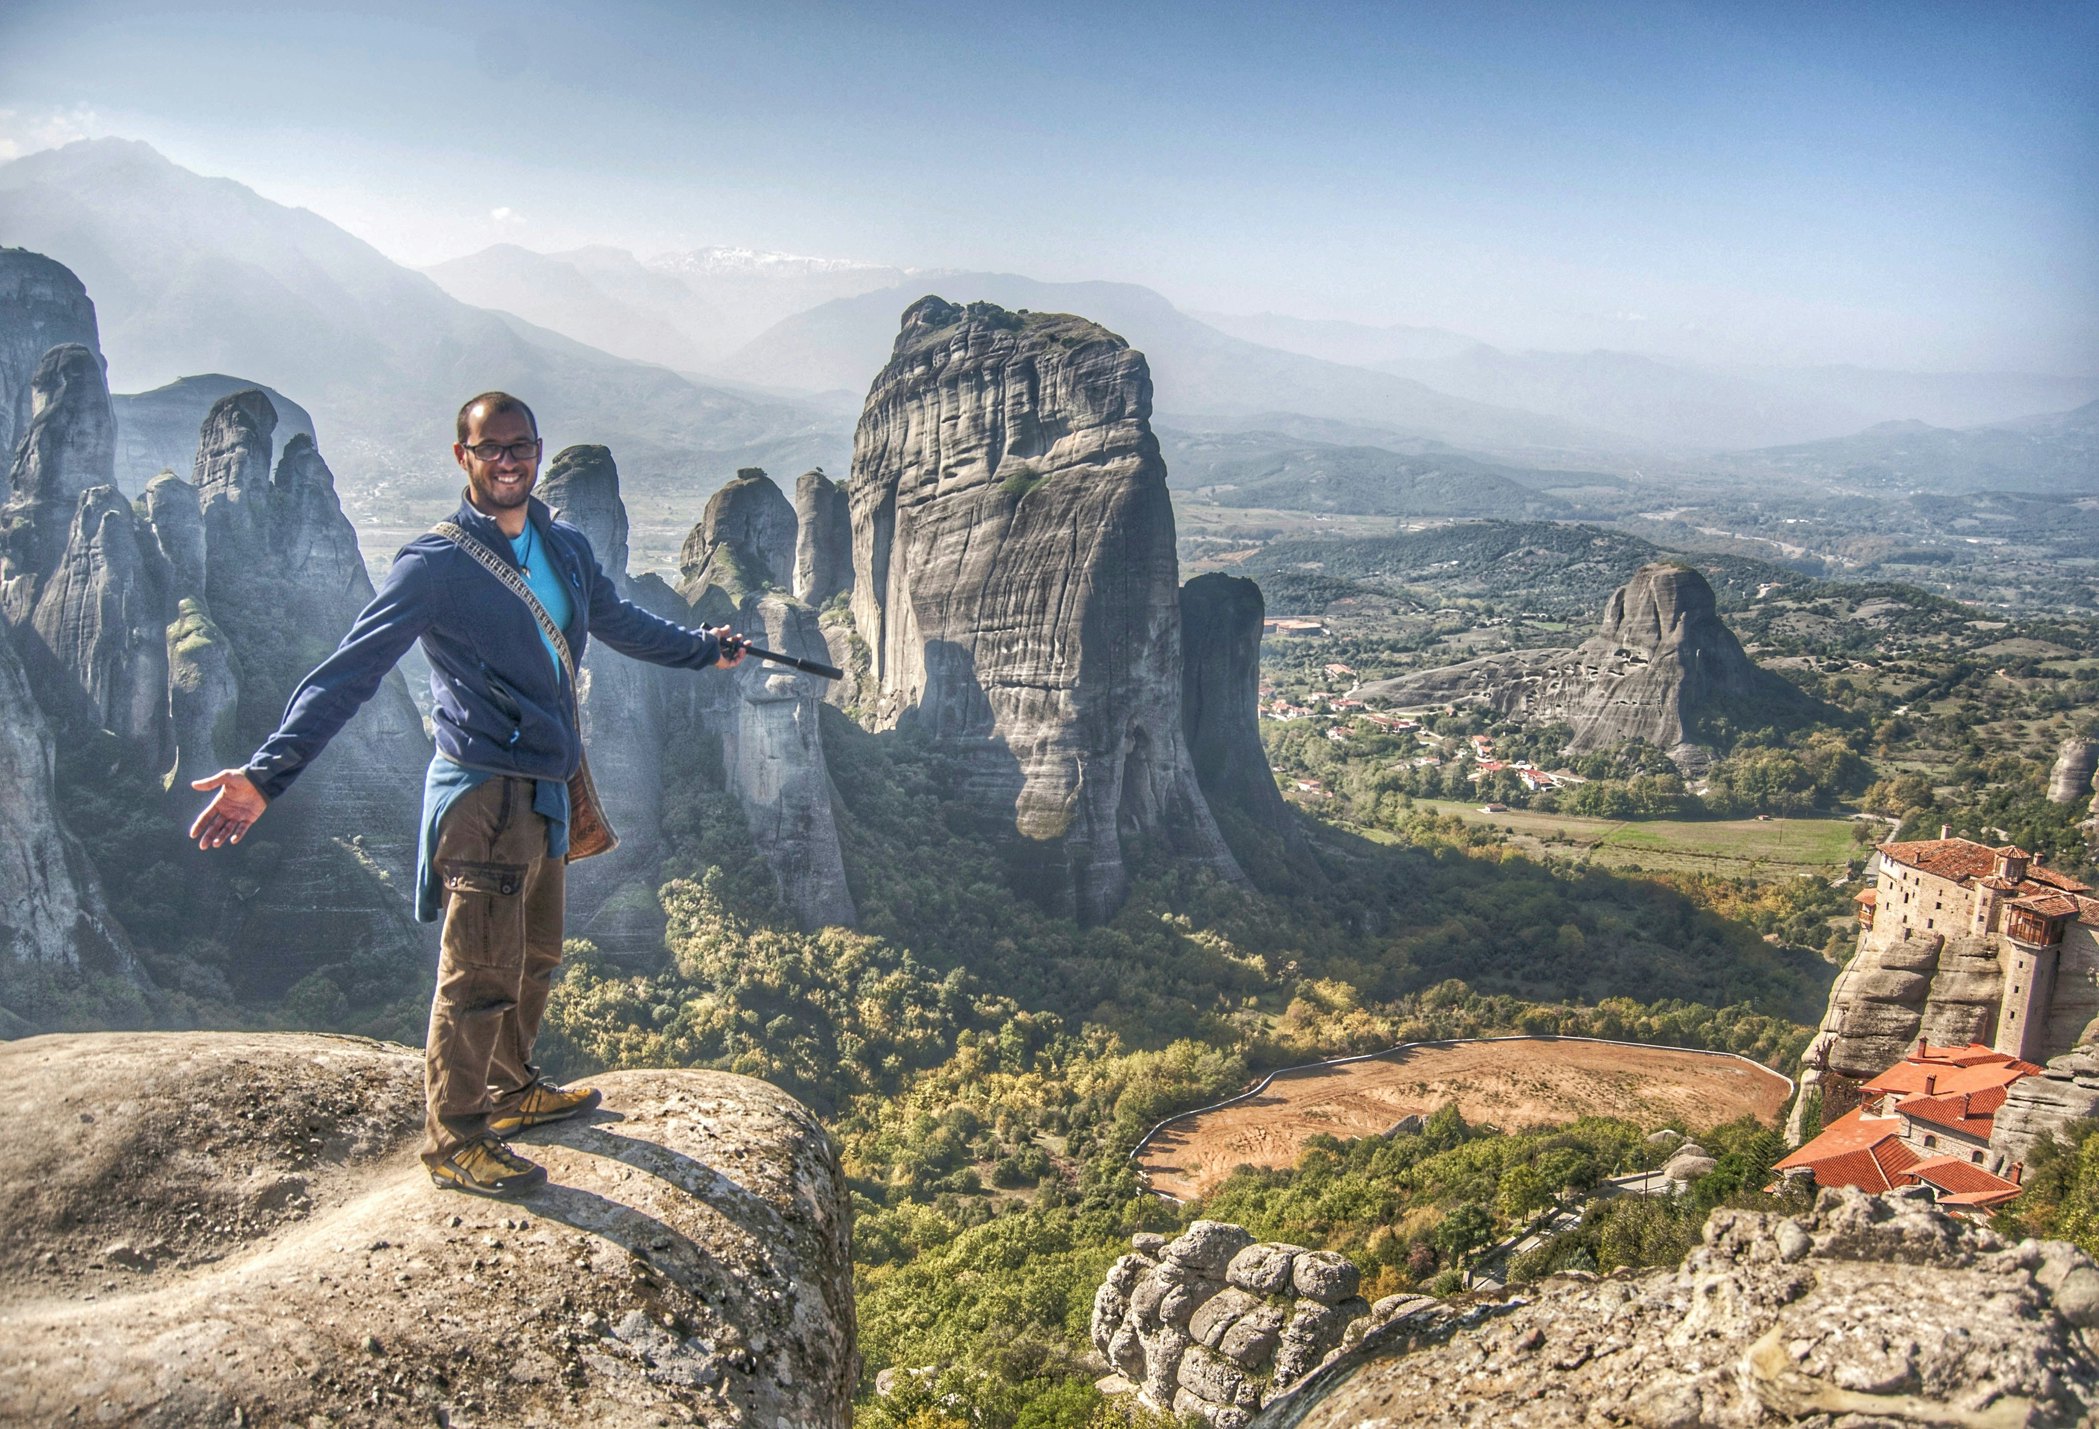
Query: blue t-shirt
545, 581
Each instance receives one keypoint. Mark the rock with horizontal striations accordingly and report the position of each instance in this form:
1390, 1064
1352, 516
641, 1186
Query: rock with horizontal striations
333, 867
2051, 1104
57, 918
688, 1262
2070, 781
774, 754
823, 547
203, 694
743, 545
1880, 1321
42, 306
1015, 583
1662, 668
626, 723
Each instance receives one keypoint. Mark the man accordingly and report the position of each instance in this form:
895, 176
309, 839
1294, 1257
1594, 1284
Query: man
495, 803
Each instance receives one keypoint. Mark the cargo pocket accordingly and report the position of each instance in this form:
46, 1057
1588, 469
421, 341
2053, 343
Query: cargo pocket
484, 916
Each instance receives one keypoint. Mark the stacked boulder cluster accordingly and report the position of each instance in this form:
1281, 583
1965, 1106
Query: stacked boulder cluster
1217, 1324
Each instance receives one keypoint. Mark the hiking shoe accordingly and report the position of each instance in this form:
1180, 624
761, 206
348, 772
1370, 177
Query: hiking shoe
488, 1168
542, 1102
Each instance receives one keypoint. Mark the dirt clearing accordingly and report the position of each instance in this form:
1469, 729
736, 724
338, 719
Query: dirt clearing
1514, 1083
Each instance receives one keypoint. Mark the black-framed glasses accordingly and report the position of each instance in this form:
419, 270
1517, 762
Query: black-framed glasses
516, 451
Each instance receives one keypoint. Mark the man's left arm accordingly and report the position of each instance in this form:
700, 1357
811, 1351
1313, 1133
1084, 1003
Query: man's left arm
637, 633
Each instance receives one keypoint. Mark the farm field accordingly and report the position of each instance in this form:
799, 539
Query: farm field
1510, 1083
1737, 848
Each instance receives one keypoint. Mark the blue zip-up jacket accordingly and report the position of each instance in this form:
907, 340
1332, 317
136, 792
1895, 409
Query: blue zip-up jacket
501, 704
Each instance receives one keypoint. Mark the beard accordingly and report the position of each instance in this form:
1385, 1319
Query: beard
498, 496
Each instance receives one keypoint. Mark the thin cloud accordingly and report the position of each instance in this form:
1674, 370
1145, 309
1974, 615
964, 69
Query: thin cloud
26, 132
506, 215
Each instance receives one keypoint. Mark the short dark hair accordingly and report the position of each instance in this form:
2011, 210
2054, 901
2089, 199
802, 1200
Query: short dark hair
494, 404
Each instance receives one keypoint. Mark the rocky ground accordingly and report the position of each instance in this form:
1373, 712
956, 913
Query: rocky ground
1867, 1312
220, 1228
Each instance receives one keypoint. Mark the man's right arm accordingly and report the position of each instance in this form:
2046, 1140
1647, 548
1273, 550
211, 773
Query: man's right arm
399, 613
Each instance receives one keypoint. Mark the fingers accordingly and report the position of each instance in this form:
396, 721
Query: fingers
218, 830
212, 781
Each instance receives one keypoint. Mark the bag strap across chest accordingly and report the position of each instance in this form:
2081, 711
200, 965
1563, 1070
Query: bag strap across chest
507, 573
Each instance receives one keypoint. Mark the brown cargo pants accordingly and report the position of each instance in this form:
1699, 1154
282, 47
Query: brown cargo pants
501, 944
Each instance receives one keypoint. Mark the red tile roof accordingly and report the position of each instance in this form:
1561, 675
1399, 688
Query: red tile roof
1855, 1150
1966, 861
1969, 1113
1961, 1183
2047, 905
1949, 1071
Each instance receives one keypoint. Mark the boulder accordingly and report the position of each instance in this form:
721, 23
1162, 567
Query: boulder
1206, 1248
1877, 1321
687, 1262
1324, 1275
1015, 583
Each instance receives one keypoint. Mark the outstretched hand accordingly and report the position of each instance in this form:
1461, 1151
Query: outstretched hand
732, 647
231, 812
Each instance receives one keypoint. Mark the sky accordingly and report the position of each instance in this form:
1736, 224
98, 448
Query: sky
1900, 184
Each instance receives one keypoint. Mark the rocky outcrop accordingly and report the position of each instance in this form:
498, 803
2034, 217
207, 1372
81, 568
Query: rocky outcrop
42, 306
2070, 781
68, 448
229, 1228
2036, 1108
332, 869
823, 545
612, 898
103, 617
157, 430
744, 544
1015, 583
54, 916
1662, 668
1924, 984
774, 756
1866, 1311
1215, 1324
1220, 700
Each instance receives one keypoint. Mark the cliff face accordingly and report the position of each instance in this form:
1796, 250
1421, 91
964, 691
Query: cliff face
68, 448
103, 616
157, 430
253, 1208
55, 913
44, 307
1867, 1310
612, 898
823, 547
774, 757
1661, 666
744, 544
283, 580
2070, 781
1015, 582
2051, 1104
1220, 697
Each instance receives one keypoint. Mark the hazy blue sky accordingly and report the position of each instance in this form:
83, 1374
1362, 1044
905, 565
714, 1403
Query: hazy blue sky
1901, 184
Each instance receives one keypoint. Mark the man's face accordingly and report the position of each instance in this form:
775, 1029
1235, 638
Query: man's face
504, 479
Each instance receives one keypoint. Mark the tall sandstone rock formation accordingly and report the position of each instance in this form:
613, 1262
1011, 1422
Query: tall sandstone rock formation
68, 448
626, 723
823, 546
1221, 620
767, 716
53, 913
2070, 781
45, 306
1015, 582
1662, 668
744, 544
332, 869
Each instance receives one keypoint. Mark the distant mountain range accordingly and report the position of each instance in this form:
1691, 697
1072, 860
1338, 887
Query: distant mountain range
192, 274
2054, 455
1196, 369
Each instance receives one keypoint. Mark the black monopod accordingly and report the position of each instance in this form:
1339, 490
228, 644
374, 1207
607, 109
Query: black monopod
811, 667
